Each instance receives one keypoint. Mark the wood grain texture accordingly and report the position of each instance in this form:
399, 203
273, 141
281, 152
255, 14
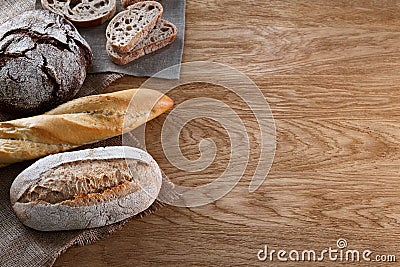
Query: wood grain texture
330, 72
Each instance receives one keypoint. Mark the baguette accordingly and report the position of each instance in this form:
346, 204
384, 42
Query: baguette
78, 122
85, 189
131, 26
163, 34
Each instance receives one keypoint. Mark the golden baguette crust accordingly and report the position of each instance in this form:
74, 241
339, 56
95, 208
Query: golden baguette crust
78, 122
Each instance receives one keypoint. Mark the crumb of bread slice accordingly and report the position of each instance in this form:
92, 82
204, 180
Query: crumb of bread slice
130, 27
163, 34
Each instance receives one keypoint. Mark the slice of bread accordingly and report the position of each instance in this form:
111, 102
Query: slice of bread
130, 27
163, 34
87, 13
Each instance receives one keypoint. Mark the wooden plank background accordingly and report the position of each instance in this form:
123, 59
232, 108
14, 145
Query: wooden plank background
330, 70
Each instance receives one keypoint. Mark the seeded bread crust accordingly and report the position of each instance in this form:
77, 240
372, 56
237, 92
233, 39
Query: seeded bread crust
163, 34
83, 13
131, 26
85, 189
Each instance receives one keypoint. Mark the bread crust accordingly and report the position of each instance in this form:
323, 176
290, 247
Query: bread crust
89, 14
43, 62
108, 205
78, 122
126, 3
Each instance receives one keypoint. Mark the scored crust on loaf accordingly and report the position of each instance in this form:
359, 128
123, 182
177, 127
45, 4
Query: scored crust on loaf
131, 26
83, 13
85, 182
163, 34
85, 189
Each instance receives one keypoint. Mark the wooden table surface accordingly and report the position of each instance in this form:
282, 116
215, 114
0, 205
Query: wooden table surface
330, 70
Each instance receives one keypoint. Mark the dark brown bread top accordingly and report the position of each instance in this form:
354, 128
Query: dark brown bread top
43, 62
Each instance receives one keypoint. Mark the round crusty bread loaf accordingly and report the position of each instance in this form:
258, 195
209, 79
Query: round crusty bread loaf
85, 189
43, 62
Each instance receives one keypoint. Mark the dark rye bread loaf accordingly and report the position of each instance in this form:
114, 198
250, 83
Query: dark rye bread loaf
163, 34
85, 189
43, 62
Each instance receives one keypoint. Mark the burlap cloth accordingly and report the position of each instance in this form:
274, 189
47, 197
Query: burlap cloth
22, 246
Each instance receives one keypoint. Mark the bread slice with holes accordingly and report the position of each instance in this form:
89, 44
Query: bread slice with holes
163, 34
82, 13
130, 27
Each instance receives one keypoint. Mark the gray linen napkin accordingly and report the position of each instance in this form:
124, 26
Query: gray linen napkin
149, 65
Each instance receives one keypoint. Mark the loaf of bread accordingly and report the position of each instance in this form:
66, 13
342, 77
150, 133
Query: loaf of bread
87, 13
131, 26
85, 189
43, 62
81, 121
163, 34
